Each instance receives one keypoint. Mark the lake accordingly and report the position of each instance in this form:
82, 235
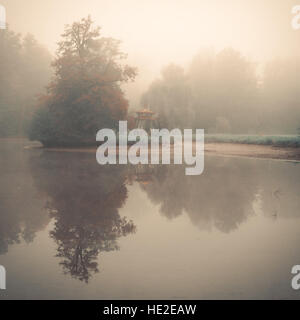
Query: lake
72, 229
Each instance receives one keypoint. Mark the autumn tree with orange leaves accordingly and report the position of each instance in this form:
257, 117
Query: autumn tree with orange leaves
85, 94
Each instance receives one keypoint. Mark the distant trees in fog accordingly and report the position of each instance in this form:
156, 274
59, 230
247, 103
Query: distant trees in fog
24, 71
220, 92
223, 93
281, 95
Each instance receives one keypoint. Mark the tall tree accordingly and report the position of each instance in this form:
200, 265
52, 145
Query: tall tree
85, 94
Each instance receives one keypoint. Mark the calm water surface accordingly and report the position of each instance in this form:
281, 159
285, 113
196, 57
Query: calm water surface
71, 229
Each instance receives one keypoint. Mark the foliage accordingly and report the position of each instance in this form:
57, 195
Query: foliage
216, 92
24, 71
281, 95
224, 93
274, 140
85, 94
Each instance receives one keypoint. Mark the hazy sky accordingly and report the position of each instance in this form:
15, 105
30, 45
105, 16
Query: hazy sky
156, 32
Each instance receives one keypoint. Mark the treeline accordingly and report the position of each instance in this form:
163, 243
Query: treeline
221, 92
225, 93
24, 72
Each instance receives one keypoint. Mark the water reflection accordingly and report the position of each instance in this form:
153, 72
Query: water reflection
84, 201
21, 214
228, 192
221, 197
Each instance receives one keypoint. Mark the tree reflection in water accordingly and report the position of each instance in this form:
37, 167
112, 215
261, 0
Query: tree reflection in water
20, 207
227, 192
84, 199
222, 197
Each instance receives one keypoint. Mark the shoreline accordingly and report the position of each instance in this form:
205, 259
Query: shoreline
253, 151
219, 149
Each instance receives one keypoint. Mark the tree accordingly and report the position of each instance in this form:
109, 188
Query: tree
168, 97
85, 94
281, 95
10, 47
36, 72
214, 87
24, 71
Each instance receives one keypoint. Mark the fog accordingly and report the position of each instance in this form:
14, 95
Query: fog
155, 33
72, 228
159, 31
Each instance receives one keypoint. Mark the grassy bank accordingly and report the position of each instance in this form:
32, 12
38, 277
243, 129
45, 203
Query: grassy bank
274, 140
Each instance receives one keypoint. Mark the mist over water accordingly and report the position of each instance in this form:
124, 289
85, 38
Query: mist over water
139, 231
